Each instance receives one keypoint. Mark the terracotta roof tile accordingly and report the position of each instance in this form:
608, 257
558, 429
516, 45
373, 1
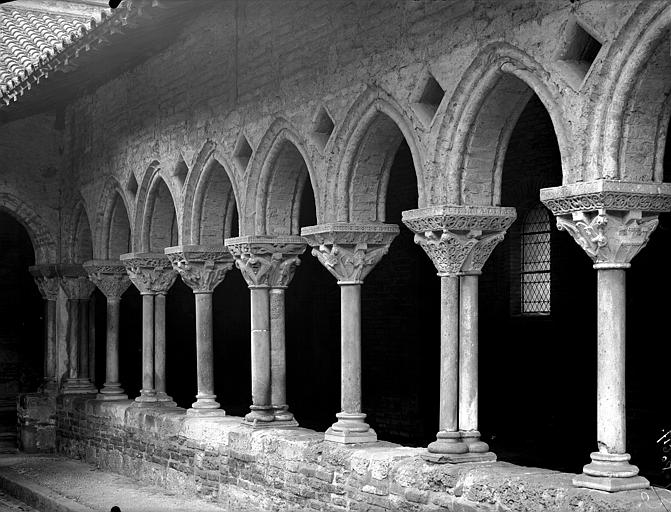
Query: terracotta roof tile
30, 38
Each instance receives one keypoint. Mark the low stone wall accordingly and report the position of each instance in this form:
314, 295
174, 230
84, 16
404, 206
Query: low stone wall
36, 421
218, 459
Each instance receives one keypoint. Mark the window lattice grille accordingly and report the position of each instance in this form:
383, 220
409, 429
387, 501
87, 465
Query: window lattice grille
535, 264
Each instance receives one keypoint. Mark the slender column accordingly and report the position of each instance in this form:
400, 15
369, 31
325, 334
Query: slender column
112, 280
92, 339
202, 269
459, 240
148, 392
278, 368
468, 364
48, 283
84, 338
268, 265
612, 222
152, 274
350, 252
78, 289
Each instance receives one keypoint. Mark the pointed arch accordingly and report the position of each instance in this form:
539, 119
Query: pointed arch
156, 225
210, 200
472, 139
632, 114
80, 243
41, 237
113, 228
281, 170
371, 134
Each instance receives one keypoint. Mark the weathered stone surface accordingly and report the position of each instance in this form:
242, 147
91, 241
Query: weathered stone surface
277, 469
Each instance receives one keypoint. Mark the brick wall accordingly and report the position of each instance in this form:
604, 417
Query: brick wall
294, 469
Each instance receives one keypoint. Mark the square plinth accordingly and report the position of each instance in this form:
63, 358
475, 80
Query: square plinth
611, 484
458, 458
349, 437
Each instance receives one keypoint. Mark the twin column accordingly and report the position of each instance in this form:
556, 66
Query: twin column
459, 240
268, 265
153, 275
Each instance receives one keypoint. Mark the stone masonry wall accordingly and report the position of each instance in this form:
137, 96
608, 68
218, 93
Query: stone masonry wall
294, 469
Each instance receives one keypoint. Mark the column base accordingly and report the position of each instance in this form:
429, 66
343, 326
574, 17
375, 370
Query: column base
350, 429
49, 387
165, 400
78, 387
458, 458
471, 439
260, 416
610, 472
281, 413
448, 443
147, 397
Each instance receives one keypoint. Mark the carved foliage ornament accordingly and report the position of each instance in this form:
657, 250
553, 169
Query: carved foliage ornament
202, 272
349, 264
453, 253
151, 275
77, 288
112, 280
609, 237
267, 264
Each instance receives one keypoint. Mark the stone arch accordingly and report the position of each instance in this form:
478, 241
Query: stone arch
156, 225
629, 125
40, 236
283, 171
80, 246
374, 128
472, 139
114, 228
210, 200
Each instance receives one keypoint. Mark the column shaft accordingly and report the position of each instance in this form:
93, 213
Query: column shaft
278, 370
147, 393
260, 336
73, 347
350, 347
50, 341
449, 353
205, 399
468, 353
112, 389
611, 417
84, 339
159, 343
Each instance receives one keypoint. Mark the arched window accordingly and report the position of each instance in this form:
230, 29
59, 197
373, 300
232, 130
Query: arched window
534, 268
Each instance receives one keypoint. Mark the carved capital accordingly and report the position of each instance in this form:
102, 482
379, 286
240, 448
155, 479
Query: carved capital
459, 239
267, 261
47, 280
75, 282
622, 196
150, 273
201, 268
350, 251
109, 276
610, 238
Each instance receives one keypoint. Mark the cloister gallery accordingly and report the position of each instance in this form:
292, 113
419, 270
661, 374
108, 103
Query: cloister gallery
222, 221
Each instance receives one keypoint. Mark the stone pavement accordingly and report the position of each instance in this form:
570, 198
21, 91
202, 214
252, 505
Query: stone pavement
56, 484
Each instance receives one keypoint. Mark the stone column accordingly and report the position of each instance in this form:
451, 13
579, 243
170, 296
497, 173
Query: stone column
112, 280
459, 239
612, 222
78, 290
152, 274
349, 252
268, 265
202, 269
48, 283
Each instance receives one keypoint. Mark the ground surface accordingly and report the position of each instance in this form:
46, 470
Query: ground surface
52, 483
